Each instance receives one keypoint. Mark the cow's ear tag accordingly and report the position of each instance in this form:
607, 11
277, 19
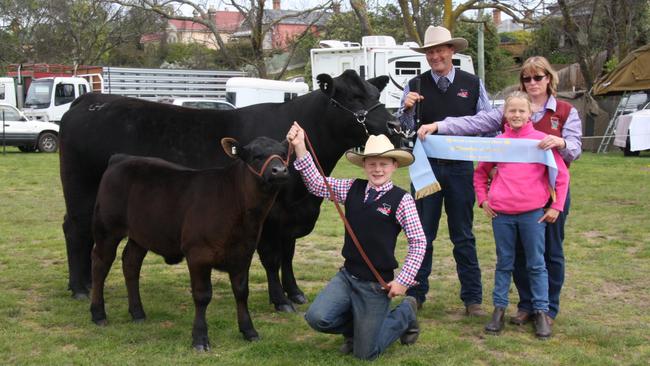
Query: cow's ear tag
326, 84
229, 145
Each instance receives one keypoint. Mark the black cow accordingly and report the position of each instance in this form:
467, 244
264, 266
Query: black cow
211, 217
338, 116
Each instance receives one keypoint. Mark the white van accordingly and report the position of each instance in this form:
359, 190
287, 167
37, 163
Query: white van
376, 56
242, 92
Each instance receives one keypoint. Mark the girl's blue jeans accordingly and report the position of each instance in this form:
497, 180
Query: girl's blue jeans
508, 229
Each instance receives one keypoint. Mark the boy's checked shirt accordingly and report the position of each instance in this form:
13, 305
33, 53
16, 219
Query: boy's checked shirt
406, 213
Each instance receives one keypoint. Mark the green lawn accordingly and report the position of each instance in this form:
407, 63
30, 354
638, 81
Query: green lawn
605, 304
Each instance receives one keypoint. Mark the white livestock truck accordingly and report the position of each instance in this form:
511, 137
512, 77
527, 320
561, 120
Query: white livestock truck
376, 56
48, 98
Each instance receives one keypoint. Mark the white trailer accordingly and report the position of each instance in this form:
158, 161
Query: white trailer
8, 91
242, 92
376, 56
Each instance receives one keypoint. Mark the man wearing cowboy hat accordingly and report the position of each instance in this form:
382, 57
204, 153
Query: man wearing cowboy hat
446, 91
353, 303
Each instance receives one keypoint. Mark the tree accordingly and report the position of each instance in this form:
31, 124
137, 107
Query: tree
615, 26
442, 12
255, 20
68, 31
498, 63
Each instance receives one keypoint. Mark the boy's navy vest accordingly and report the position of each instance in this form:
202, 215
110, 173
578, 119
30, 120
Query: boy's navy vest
376, 228
459, 100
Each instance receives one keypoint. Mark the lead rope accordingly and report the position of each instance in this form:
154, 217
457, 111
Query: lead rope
348, 228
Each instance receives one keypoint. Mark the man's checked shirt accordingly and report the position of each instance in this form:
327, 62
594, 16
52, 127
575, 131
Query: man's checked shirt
406, 213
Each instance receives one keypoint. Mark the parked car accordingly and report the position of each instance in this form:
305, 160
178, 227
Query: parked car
27, 134
622, 139
200, 103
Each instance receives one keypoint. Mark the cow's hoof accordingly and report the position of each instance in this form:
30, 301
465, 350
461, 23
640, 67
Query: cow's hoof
251, 336
202, 347
138, 316
101, 322
80, 295
285, 308
298, 299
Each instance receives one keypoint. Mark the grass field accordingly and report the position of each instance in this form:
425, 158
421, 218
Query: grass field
605, 317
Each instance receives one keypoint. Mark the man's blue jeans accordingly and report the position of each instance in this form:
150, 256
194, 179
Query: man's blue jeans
554, 257
360, 309
508, 229
457, 195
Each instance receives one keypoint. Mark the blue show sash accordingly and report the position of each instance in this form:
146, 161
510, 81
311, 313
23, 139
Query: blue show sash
504, 150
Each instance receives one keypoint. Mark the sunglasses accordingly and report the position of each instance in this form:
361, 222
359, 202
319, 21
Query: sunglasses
527, 79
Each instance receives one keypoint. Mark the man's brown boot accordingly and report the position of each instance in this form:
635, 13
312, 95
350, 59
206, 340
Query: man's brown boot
521, 318
495, 326
543, 328
474, 310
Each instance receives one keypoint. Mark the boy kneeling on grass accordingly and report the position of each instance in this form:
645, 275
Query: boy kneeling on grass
353, 303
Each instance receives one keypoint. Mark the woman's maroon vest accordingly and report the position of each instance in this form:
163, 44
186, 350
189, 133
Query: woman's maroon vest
552, 122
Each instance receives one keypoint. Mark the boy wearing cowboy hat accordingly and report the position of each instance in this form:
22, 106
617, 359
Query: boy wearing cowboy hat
353, 303
441, 92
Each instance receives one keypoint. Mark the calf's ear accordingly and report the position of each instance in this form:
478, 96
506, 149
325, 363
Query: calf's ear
380, 82
230, 146
326, 84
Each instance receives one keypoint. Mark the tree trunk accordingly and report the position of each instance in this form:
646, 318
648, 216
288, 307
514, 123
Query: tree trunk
573, 32
409, 24
361, 10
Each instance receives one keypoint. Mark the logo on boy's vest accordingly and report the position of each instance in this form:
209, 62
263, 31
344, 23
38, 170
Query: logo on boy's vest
555, 122
463, 93
385, 210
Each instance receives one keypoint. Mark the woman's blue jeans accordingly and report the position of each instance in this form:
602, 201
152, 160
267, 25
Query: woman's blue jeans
359, 309
508, 229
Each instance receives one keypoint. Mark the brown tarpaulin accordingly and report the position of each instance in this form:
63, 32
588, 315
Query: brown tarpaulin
632, 74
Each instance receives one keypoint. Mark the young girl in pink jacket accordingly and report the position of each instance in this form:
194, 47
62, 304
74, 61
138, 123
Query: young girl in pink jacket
517, 203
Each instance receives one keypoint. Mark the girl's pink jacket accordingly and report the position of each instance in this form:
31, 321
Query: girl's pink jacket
520, 187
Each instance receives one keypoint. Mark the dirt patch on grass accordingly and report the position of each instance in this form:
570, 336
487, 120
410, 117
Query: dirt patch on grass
594, 234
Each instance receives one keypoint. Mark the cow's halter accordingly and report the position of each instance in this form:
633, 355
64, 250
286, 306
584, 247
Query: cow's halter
359, 115
268, 161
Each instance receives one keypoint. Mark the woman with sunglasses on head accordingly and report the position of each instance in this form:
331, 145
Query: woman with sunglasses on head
560, 120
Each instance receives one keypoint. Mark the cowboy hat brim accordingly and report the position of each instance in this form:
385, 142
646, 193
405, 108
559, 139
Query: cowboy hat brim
403, 157
458, 43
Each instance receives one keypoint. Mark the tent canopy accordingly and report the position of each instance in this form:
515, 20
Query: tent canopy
632, 74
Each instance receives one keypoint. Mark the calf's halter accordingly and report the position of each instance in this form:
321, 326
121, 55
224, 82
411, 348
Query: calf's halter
359, 115
268, 161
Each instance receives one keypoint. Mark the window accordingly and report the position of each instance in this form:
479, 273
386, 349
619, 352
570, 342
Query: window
407, 68
2, 91
64, 93
9, 114
289, 96
82, 89
231, 97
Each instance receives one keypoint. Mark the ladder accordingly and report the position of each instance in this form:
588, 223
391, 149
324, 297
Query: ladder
610, 131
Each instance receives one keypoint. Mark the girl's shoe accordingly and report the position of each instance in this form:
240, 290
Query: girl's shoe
543, 328
495, 326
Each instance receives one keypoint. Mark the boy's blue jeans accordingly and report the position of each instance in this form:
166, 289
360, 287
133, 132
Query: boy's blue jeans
360, 309
508, 229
